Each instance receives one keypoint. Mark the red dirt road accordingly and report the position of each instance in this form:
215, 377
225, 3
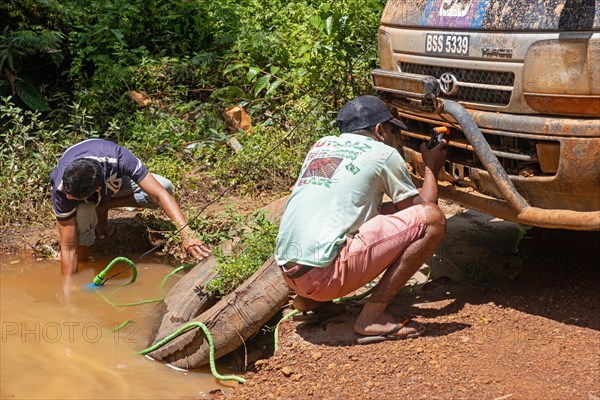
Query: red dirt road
519, 319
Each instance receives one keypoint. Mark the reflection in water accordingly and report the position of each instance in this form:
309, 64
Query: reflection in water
61, 346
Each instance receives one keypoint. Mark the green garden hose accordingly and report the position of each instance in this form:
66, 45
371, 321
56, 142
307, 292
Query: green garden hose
288, 315
99, 279
170, 274
211, 345
355, 297
98, 282
121, 326
135, 303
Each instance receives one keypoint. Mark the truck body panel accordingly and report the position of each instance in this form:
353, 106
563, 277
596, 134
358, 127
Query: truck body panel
525, 73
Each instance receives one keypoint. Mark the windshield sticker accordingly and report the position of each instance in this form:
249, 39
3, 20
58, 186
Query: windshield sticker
455, 13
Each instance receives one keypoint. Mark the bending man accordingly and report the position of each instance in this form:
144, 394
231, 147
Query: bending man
95, 175
335, 236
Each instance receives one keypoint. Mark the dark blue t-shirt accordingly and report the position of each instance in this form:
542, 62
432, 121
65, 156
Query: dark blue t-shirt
116, 162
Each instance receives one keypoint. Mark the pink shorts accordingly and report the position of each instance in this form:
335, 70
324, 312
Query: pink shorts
377, 245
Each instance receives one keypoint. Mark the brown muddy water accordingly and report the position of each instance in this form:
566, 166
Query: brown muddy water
58, 344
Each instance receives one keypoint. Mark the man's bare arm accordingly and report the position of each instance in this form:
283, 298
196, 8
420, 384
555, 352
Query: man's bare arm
434, 161
67, 231
190, 243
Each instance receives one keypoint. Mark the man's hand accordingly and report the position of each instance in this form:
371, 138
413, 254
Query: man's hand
434, 159
195, 248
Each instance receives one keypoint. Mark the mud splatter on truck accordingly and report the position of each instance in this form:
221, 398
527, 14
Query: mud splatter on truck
523, 77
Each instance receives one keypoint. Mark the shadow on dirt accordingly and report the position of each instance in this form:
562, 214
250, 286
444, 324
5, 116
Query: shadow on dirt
339, 331
125, 236
554, 274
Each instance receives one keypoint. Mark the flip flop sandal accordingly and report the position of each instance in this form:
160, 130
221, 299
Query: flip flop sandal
391, 334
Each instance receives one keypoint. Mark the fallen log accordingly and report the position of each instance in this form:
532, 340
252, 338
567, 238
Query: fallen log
232, 320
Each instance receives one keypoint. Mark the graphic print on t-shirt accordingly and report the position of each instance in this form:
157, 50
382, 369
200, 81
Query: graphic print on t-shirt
319, 172
322, 167
114, 183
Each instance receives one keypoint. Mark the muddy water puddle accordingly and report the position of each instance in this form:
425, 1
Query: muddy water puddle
57, 342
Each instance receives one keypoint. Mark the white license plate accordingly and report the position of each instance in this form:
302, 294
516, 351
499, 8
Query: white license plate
447, 44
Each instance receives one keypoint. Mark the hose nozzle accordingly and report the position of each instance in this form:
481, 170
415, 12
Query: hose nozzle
437, 134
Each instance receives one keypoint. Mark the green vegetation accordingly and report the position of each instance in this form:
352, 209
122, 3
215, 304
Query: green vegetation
252, 239
28, 151
256, 242
68, 67
71, 70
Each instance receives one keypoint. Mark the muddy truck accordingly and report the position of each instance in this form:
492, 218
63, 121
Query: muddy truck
517, 85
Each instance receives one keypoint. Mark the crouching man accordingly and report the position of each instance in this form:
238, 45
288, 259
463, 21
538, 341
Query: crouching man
95, 175
335, 236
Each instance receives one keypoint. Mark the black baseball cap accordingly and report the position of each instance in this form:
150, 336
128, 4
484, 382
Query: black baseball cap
363, 112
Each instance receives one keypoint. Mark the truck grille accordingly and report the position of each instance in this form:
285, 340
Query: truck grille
472, 94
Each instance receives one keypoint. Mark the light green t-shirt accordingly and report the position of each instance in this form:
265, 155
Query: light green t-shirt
340, 187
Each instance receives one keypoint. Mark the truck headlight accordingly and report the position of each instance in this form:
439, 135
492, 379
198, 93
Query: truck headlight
561, 77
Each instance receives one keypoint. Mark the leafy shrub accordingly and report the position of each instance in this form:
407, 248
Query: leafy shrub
257, 243
289, 64
28, 152
269, 160
17, 51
